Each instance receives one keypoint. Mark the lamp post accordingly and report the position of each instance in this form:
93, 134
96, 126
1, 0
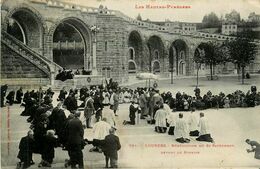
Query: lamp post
94, 29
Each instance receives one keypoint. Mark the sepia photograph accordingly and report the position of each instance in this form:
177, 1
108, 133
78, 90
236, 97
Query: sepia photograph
131, 84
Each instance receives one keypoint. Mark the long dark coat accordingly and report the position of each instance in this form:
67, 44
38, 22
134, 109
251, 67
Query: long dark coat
26, 147
111, 146
50, 143
19, 95
71, 103
75, 132
57, 120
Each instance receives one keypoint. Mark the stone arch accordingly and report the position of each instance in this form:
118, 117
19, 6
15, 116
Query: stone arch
32, 24
156, 66
156, 46
159, 36
135, 42
172, 58
131, 53
181, 67
82, 28
179, 56
137, 31
156, 55
132, 66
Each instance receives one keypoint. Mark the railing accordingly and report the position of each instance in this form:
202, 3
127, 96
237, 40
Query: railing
152, 26
68, 45
28, 53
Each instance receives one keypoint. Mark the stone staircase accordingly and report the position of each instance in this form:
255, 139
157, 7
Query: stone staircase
48, 67
42, 62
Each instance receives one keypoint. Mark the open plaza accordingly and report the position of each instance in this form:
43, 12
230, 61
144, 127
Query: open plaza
142, 147
86, 86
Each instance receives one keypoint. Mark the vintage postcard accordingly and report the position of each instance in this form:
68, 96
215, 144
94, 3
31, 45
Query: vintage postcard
130, 84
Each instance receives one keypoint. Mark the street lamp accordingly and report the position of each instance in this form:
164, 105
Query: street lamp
94, 29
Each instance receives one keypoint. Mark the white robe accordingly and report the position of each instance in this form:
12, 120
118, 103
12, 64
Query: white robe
193, 122
171, 119
181, 129
121, 97
111, 101
160, 118
101, 130
106, 96
203, 126
167, 108
110, 116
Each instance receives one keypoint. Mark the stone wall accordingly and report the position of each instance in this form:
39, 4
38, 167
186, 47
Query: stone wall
79, 81
15, 66
112, 38
111, 46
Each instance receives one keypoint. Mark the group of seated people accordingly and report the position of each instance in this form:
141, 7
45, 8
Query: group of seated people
83, 72
64, 74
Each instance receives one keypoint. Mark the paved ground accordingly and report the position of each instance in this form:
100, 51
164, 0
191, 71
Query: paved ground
230, 127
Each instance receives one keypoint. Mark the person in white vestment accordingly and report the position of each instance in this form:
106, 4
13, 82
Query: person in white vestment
126, 97
121, 97
110, 116
171, 120
160, 120
100, 131
193, 123
106, 97
204, 130
181, 130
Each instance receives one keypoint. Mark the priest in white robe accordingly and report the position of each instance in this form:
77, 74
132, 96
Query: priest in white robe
171, 120
193, 123
160, 120
204, 130
181, 130
110, 116
100, 131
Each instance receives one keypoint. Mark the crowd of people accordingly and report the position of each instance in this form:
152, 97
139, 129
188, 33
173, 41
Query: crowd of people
65, 74
61, 126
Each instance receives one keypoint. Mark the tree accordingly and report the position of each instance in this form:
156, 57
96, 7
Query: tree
214, 55
139, 18
199, 59
211, 20
242, 51
233, 16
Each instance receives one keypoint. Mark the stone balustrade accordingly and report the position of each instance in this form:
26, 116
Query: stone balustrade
79, 81
43, 63
68, 45
150, 26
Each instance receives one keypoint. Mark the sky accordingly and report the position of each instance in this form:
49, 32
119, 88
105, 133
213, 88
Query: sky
197, 8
